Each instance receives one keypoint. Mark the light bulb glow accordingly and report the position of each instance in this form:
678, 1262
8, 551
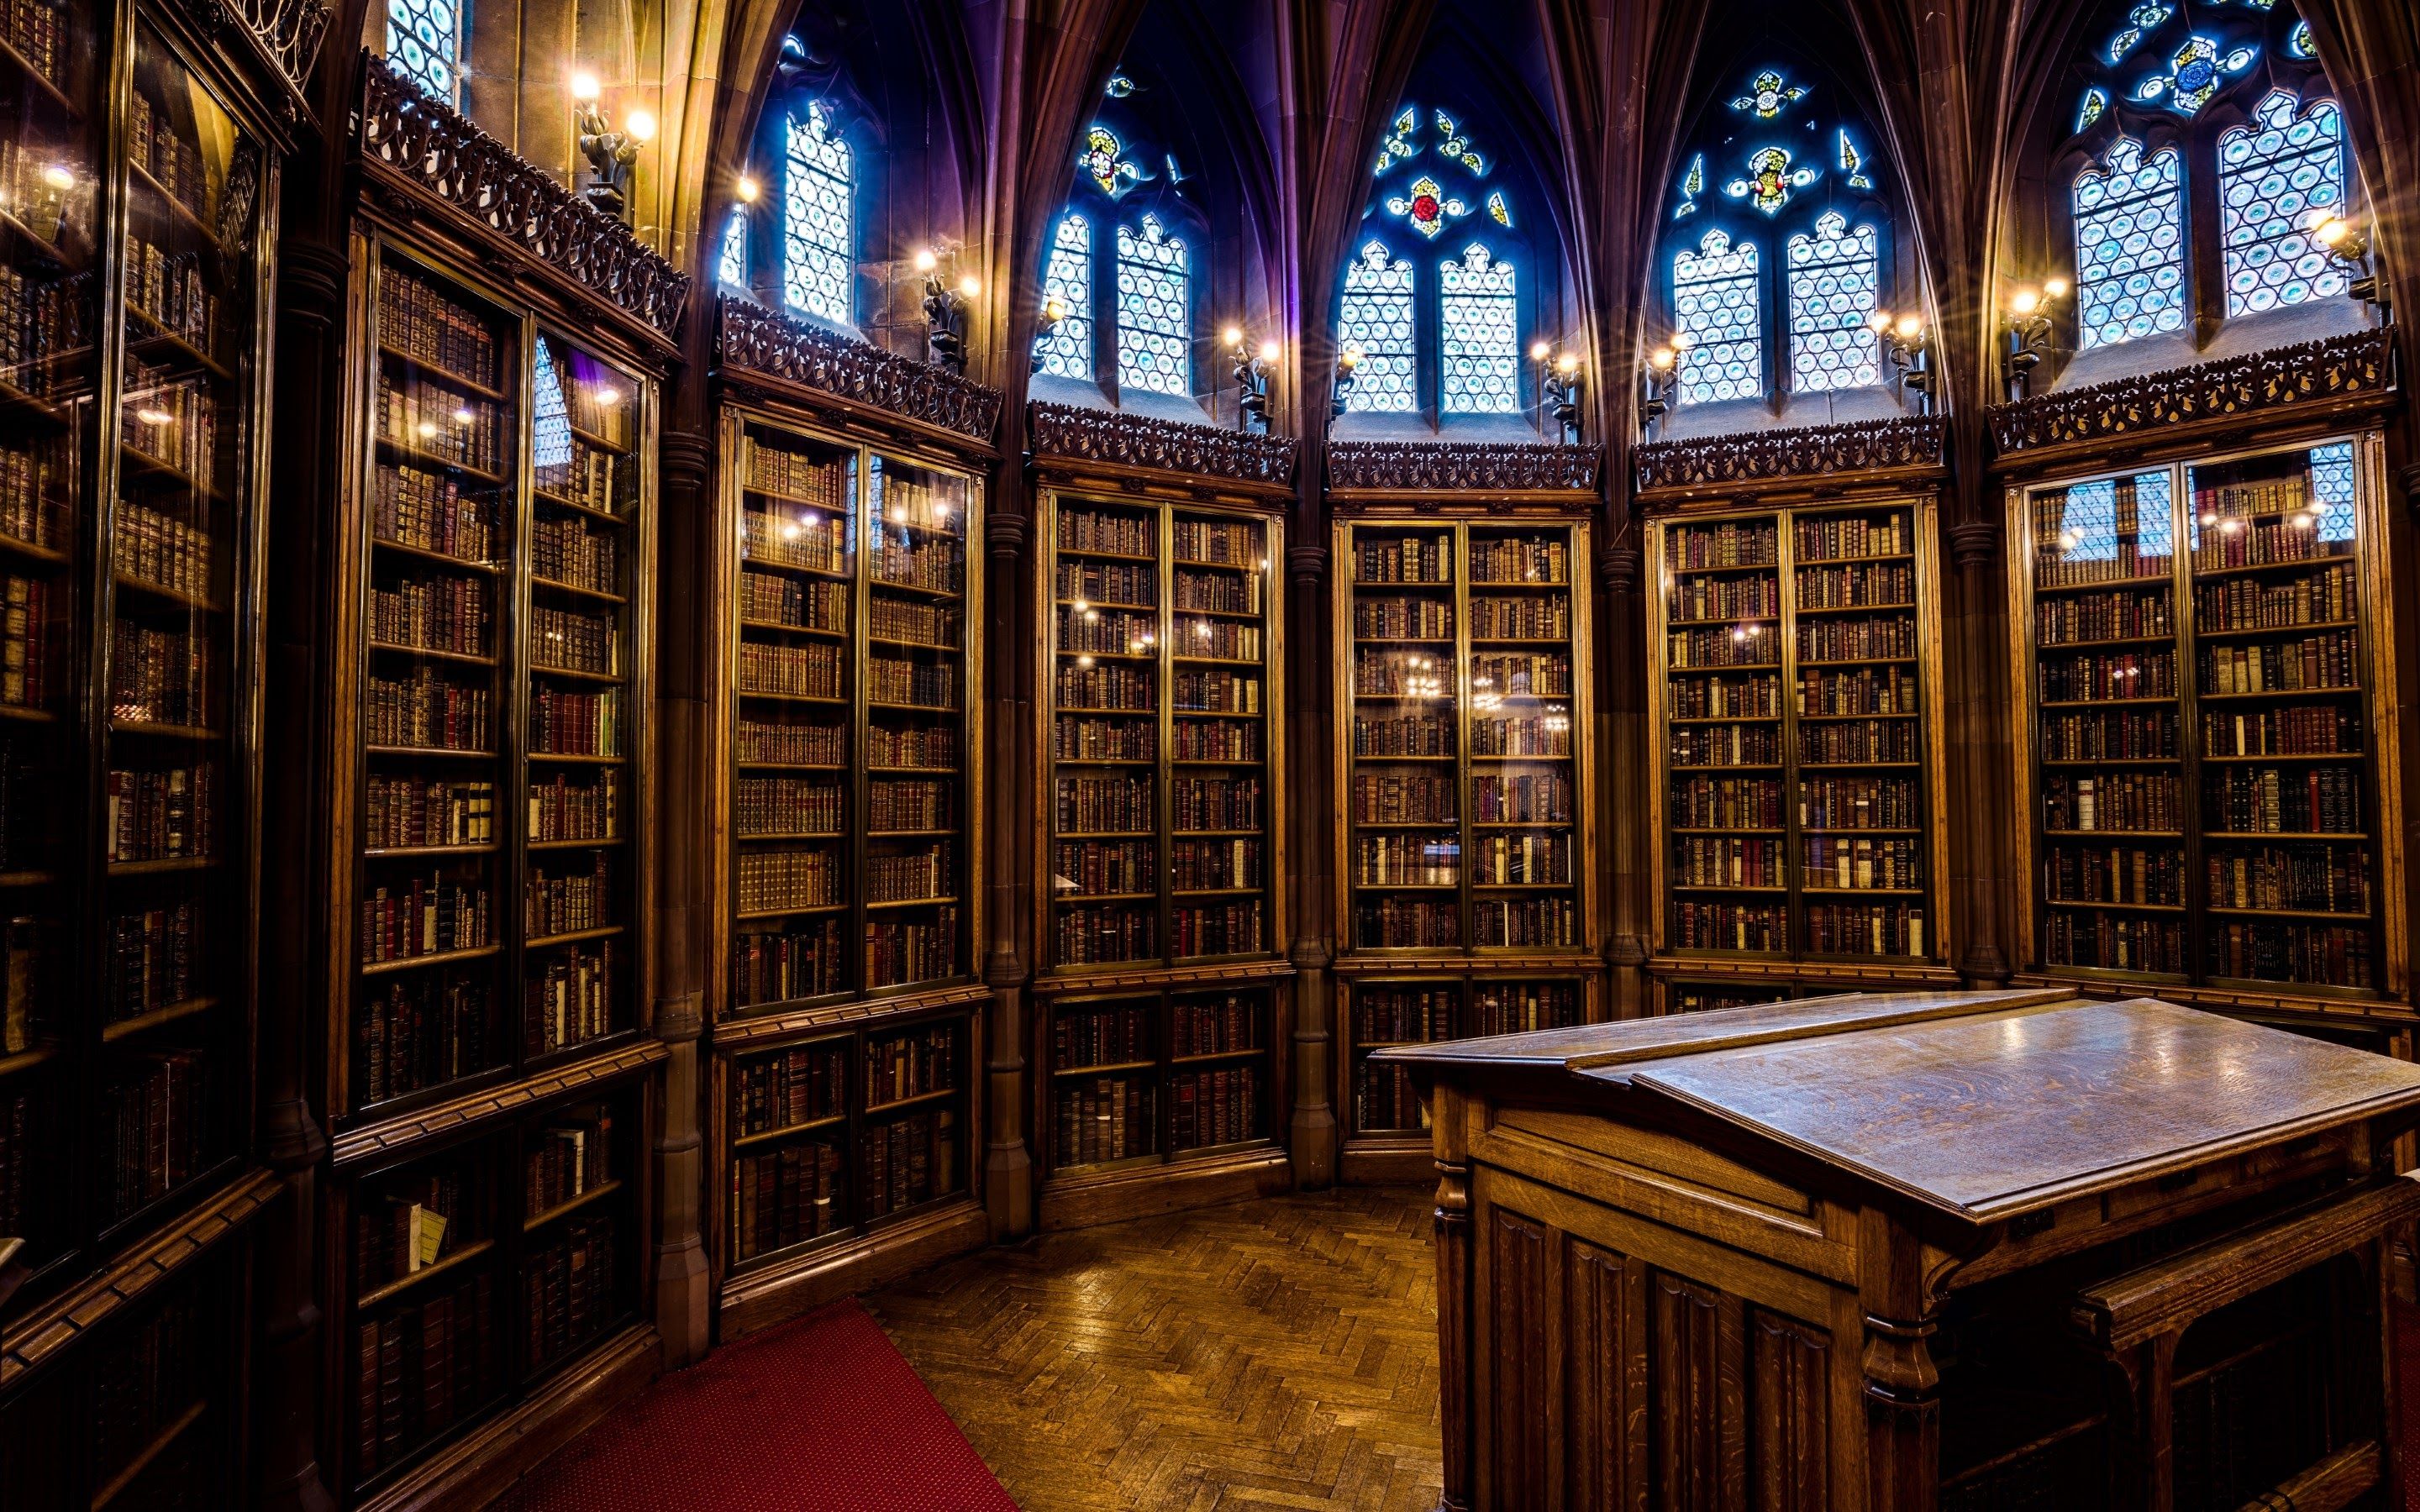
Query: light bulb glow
2024, 302
584, 86
925, 260
1269, 351
1879, 322
747, 190
1083, 661
639, 126
59, 175
1567, 365
161, 417
428, 428
970, 287
1538, 350
1662, 359
463, 417
607, 396
1909, 327
1232, 336
1683, 340
2056, 289
1054, 309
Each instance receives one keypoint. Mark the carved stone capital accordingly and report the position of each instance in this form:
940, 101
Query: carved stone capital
680, 1019
1618, 566
293, 1141
688, 461
1621, 949
1004, 969
1005, 535
1309, 953
749, 336
1307, 564
1973, 543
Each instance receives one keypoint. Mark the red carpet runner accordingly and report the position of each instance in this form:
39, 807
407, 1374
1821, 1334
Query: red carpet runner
819, 1415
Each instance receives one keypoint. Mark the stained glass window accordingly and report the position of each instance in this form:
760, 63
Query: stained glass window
1833, 279
1066, 347
733, 268
818, 269
424, 39
2130, 245
1715, 300
2195, 71
2278, 174
1478, 322
1378, 324
2332, 482
1154, 315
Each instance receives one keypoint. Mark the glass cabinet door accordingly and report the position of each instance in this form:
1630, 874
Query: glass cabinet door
52, 65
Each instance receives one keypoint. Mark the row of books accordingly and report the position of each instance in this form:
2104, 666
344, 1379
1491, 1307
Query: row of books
157, 548
568, 1293
903, 682
1833, 539
904, 803
154, 146
2266, 801
1536, 560
937, 564
1215, 1024
1529, 674
1414, 859
928, 873
786, 1196
1107, 804
1756, 697
1723, 745
1095, 868
1217, 929
1867, 690
911, 748
780, 742
811, 604
1112, 1036
568, 809
569, 999
161, 815
915, 503
1228, 639
938, 625
1707, 600
1745, 645
422, 1030
1497, 1008
1855, 585
160, 676
572, 470
427, 710
811, 670
1221, 542
1865, 929
33, 28
1402, 673
429, 328
1406, 924
42, 319
432, 511
159, 1128
1730, 543
410, 1222
1385, 1101
2114, 875
911, 1064
1870, 740
1214, 1107
24, 1162
1859, 803
420, 1369
2115, 615
788, 806
564, 723
427, 418
402, 920
2115, 942
1094, 936
1846, 638
1207, 692
1726, 803
571, 640
1411, 734
901, 951
1125, 536
35, 486
2331, 595
1223, 592
1413, 799
1108, 687
432, 613
1528, 617
1402, 619
800, 960
2308, 730
1198, 865
2329, 659
800, 475
1863, 863
572, 1156
814, 542
1403, 559
154, 960
2280, 951
788, 1087
167, 288
1104, 1119
1397, 1015
2107, 734
1520, 861
1729, 862
910, 1160
770, 881
1079, 739
2328, 879
1099, 583
406, 811
1197, 803
567, 901
2122, 801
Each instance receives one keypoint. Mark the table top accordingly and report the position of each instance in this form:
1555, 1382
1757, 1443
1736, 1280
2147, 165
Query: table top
1982, 1105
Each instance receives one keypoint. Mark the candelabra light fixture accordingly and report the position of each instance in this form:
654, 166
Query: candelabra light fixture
1559, 386
1347, 361
1659, 381
1909, 346
1252, 369
610, 152
946, 298
2347, 248
2025, 319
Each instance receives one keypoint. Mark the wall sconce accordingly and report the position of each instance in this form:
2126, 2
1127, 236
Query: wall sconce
1658, 381
2027, 320
1347, 361
1252, 370
1054, 309
610, 153
2349, 251
1908, 345
1559, 386
945, 307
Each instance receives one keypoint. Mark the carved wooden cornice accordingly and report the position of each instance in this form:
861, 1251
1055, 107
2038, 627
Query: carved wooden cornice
522, 217
750, 339
1751, 461
34, 1340
1497, 470
284, 34
480, 1107
1133, 444
2322, 380
755, 1030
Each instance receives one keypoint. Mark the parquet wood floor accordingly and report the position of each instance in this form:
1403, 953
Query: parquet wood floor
1272, 1355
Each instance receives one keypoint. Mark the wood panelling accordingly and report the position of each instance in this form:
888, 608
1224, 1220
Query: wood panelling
1699, 1397
1790, 1383
1604, 1377
1517, 1257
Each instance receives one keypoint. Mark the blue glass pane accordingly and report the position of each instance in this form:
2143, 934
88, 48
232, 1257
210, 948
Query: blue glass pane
1154, 317
1377, 324
2278, 174
1714, 304
1480, 328
2129, 246
424, 39
2331, 489
1832, 278
818, 269
1066, 347
733, 268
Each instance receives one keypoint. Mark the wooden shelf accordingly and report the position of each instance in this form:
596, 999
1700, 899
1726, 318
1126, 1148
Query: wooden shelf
586, 1199
436, 958
158, 1018
443, 1264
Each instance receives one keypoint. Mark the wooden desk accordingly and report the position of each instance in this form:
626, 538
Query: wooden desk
1901, 1252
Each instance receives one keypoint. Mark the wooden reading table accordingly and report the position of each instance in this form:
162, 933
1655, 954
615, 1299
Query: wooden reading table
1966, 1251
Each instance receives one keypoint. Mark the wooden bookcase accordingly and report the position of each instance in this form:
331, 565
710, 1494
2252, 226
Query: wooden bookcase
1795, 677
491, 771
1160, 855
849, 810
1464, 835
2205, 688
475, 1270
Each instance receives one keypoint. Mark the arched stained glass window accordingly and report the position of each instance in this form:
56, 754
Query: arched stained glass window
1066, 347
1479, 330
424, 39
2276, 175
1154, 311
1715, 306
1832, 277
819, 261
732, 268
2130, 264
1378, 324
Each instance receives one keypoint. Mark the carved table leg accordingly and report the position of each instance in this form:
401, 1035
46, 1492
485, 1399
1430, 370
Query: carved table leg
1455, 1352
1902, 1417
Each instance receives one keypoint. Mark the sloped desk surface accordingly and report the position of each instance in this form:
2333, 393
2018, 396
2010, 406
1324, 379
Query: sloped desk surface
1981, 1105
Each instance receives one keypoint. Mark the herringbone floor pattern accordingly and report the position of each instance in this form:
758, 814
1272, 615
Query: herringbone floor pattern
1273, 1354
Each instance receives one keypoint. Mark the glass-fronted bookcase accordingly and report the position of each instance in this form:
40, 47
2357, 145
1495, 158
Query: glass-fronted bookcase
1795, 683
1162, 849
849, 807
2205, 689
1465, 838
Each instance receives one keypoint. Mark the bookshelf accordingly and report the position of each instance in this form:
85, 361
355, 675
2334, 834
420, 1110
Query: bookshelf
838, 1136
1161, 832
852, 726
131, 467
1795, 674
476, 1272
497, 854
2205, 670
1464, 834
